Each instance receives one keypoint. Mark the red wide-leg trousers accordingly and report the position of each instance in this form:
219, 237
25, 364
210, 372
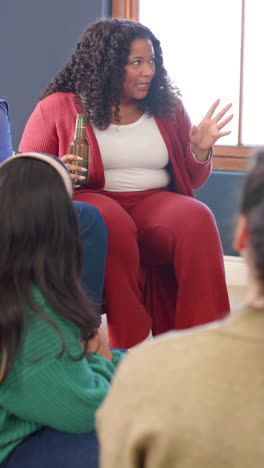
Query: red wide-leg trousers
164, 266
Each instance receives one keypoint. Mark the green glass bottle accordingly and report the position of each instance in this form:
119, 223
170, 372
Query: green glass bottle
80, 147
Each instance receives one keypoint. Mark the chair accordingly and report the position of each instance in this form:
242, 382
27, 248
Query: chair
5, 132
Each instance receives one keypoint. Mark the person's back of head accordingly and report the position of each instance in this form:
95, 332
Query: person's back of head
35, 215
249, 238
39, 245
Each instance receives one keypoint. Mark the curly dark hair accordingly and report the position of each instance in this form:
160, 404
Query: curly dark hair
95, 72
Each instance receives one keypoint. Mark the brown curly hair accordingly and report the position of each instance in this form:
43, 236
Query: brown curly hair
95, 72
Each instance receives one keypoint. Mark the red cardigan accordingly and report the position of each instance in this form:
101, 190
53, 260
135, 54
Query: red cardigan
50, 129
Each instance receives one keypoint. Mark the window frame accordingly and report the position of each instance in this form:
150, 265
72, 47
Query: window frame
225, 157
128, 9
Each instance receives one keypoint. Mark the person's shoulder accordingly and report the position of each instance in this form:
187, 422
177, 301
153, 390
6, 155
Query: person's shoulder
173, 352
48, 312
177, 339
47, 326
162, 370
57, 100
57, 109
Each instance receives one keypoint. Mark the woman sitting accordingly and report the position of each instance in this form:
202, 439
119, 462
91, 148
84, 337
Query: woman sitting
55, 368
164, 253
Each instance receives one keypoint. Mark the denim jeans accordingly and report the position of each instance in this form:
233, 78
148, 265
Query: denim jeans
94, 242
48, 448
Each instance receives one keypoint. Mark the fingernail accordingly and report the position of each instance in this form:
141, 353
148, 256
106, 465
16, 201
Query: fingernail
79, 158
82, 177
83, 169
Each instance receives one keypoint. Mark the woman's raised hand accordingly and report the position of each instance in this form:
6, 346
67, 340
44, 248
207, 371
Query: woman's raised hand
72, 168
204, 136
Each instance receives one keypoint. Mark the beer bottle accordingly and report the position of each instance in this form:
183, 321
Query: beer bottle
80, 147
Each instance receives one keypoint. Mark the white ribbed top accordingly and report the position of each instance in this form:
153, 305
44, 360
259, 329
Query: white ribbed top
134, 156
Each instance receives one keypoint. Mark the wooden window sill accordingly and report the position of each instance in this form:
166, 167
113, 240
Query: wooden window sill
233, 158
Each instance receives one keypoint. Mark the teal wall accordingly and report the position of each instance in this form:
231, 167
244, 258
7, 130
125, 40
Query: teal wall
222, 193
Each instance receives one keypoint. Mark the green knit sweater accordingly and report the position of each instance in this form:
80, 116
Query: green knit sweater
45, 390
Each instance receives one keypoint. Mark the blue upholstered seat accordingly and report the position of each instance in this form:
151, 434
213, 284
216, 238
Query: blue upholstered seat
222, 193
5, 132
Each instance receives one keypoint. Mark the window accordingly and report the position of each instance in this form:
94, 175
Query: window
253, 76
211, 50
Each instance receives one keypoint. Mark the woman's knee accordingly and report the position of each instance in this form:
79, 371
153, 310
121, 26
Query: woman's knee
189, 215
186, 224
201, 212
121, 229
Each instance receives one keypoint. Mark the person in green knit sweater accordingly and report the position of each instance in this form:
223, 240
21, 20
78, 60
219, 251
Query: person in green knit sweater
55, 367
195, 399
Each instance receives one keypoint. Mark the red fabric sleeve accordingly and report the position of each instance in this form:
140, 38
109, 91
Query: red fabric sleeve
37, 135
198, 171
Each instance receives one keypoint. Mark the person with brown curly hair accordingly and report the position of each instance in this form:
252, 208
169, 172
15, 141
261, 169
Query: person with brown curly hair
164, 260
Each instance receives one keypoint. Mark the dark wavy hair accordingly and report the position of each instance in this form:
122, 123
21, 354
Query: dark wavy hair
39, 245
252, 205
95, 72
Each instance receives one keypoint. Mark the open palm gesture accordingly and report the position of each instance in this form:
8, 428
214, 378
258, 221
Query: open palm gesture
204, 136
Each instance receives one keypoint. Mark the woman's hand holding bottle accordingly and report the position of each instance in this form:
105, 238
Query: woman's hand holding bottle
67, 159
79, 151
